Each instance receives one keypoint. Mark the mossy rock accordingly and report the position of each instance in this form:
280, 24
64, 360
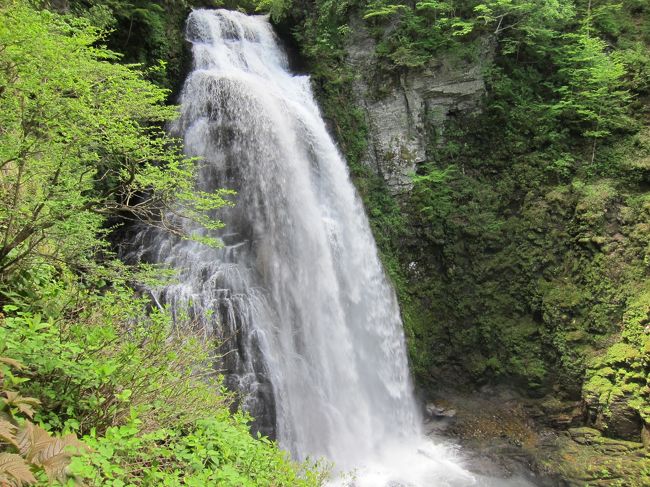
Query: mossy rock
615, 405
585, 458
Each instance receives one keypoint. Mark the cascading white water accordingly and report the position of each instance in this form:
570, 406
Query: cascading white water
298, 290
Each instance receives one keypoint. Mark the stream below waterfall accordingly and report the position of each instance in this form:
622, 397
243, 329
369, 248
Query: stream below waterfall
311, 325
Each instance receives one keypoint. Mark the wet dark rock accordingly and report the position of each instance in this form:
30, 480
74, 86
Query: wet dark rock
559, 414
624, 420
436, 411
585, 435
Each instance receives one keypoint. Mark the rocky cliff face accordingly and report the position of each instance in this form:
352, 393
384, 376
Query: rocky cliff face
407, 110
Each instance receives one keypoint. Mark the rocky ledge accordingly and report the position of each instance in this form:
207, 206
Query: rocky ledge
504, 431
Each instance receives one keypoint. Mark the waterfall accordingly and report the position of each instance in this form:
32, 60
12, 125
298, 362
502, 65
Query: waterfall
298, 294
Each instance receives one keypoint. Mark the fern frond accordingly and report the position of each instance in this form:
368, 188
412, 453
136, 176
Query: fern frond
56, 457
66, 446
31, 440
51, 453
8, 433
23, 403
11, 363
14, 471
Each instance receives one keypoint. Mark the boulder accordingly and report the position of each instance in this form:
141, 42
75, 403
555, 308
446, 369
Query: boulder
437, 411
624, 420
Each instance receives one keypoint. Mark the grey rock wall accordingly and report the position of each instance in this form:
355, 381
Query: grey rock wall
404, 110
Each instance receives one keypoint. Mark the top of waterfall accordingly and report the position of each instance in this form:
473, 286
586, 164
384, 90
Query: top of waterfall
231, 43
208, 26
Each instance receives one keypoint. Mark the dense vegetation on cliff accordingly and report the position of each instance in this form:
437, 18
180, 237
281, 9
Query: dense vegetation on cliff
96, 386
521, 253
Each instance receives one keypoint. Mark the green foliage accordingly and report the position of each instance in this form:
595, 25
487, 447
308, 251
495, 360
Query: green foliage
590, 91
145, 32
529, 274
277, 9
214, 451
418, 31
108, 358
535, 20
142, 393
81, 140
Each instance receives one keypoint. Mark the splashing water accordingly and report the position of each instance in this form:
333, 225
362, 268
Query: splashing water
298, 291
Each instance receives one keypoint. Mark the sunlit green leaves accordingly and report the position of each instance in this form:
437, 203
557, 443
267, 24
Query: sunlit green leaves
531, 16
591, 95
81, 140
381, 10
277, 9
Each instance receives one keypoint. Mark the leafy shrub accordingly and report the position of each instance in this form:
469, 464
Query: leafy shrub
82, 140
143, 394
